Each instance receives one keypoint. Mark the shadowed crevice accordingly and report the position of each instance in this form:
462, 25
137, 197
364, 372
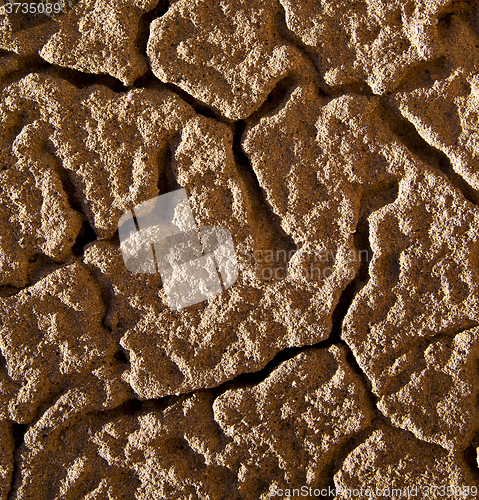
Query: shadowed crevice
85, 236
81, 80
130, 407
64, 175
8, 291
470, 458
363, 248
372, 200
470, 453
144, 25
407, 134
29, 64
359, 88
308, 52
244, 379
199, 107
278, 96
3, 363
166, 178
259, 203
121, 356
18, 433
150, 81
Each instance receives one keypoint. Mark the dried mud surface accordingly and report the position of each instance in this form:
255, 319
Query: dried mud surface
338, 142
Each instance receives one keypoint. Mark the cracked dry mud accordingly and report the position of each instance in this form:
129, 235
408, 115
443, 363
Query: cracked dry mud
338, 143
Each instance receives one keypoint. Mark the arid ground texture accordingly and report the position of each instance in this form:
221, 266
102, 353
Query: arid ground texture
338, 144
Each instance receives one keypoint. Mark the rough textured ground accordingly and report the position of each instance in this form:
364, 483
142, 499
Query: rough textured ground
338, 142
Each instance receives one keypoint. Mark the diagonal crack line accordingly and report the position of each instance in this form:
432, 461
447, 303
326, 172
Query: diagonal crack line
372, 200
166, 178
408, 135
199, 107
29, 64
150, 81
86, 234
8, 291
361, 240
384, 193
292, 39
257, 196
278, 96
144, 25
64, 174
80, 80
135, 405
35, 64
18, 433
